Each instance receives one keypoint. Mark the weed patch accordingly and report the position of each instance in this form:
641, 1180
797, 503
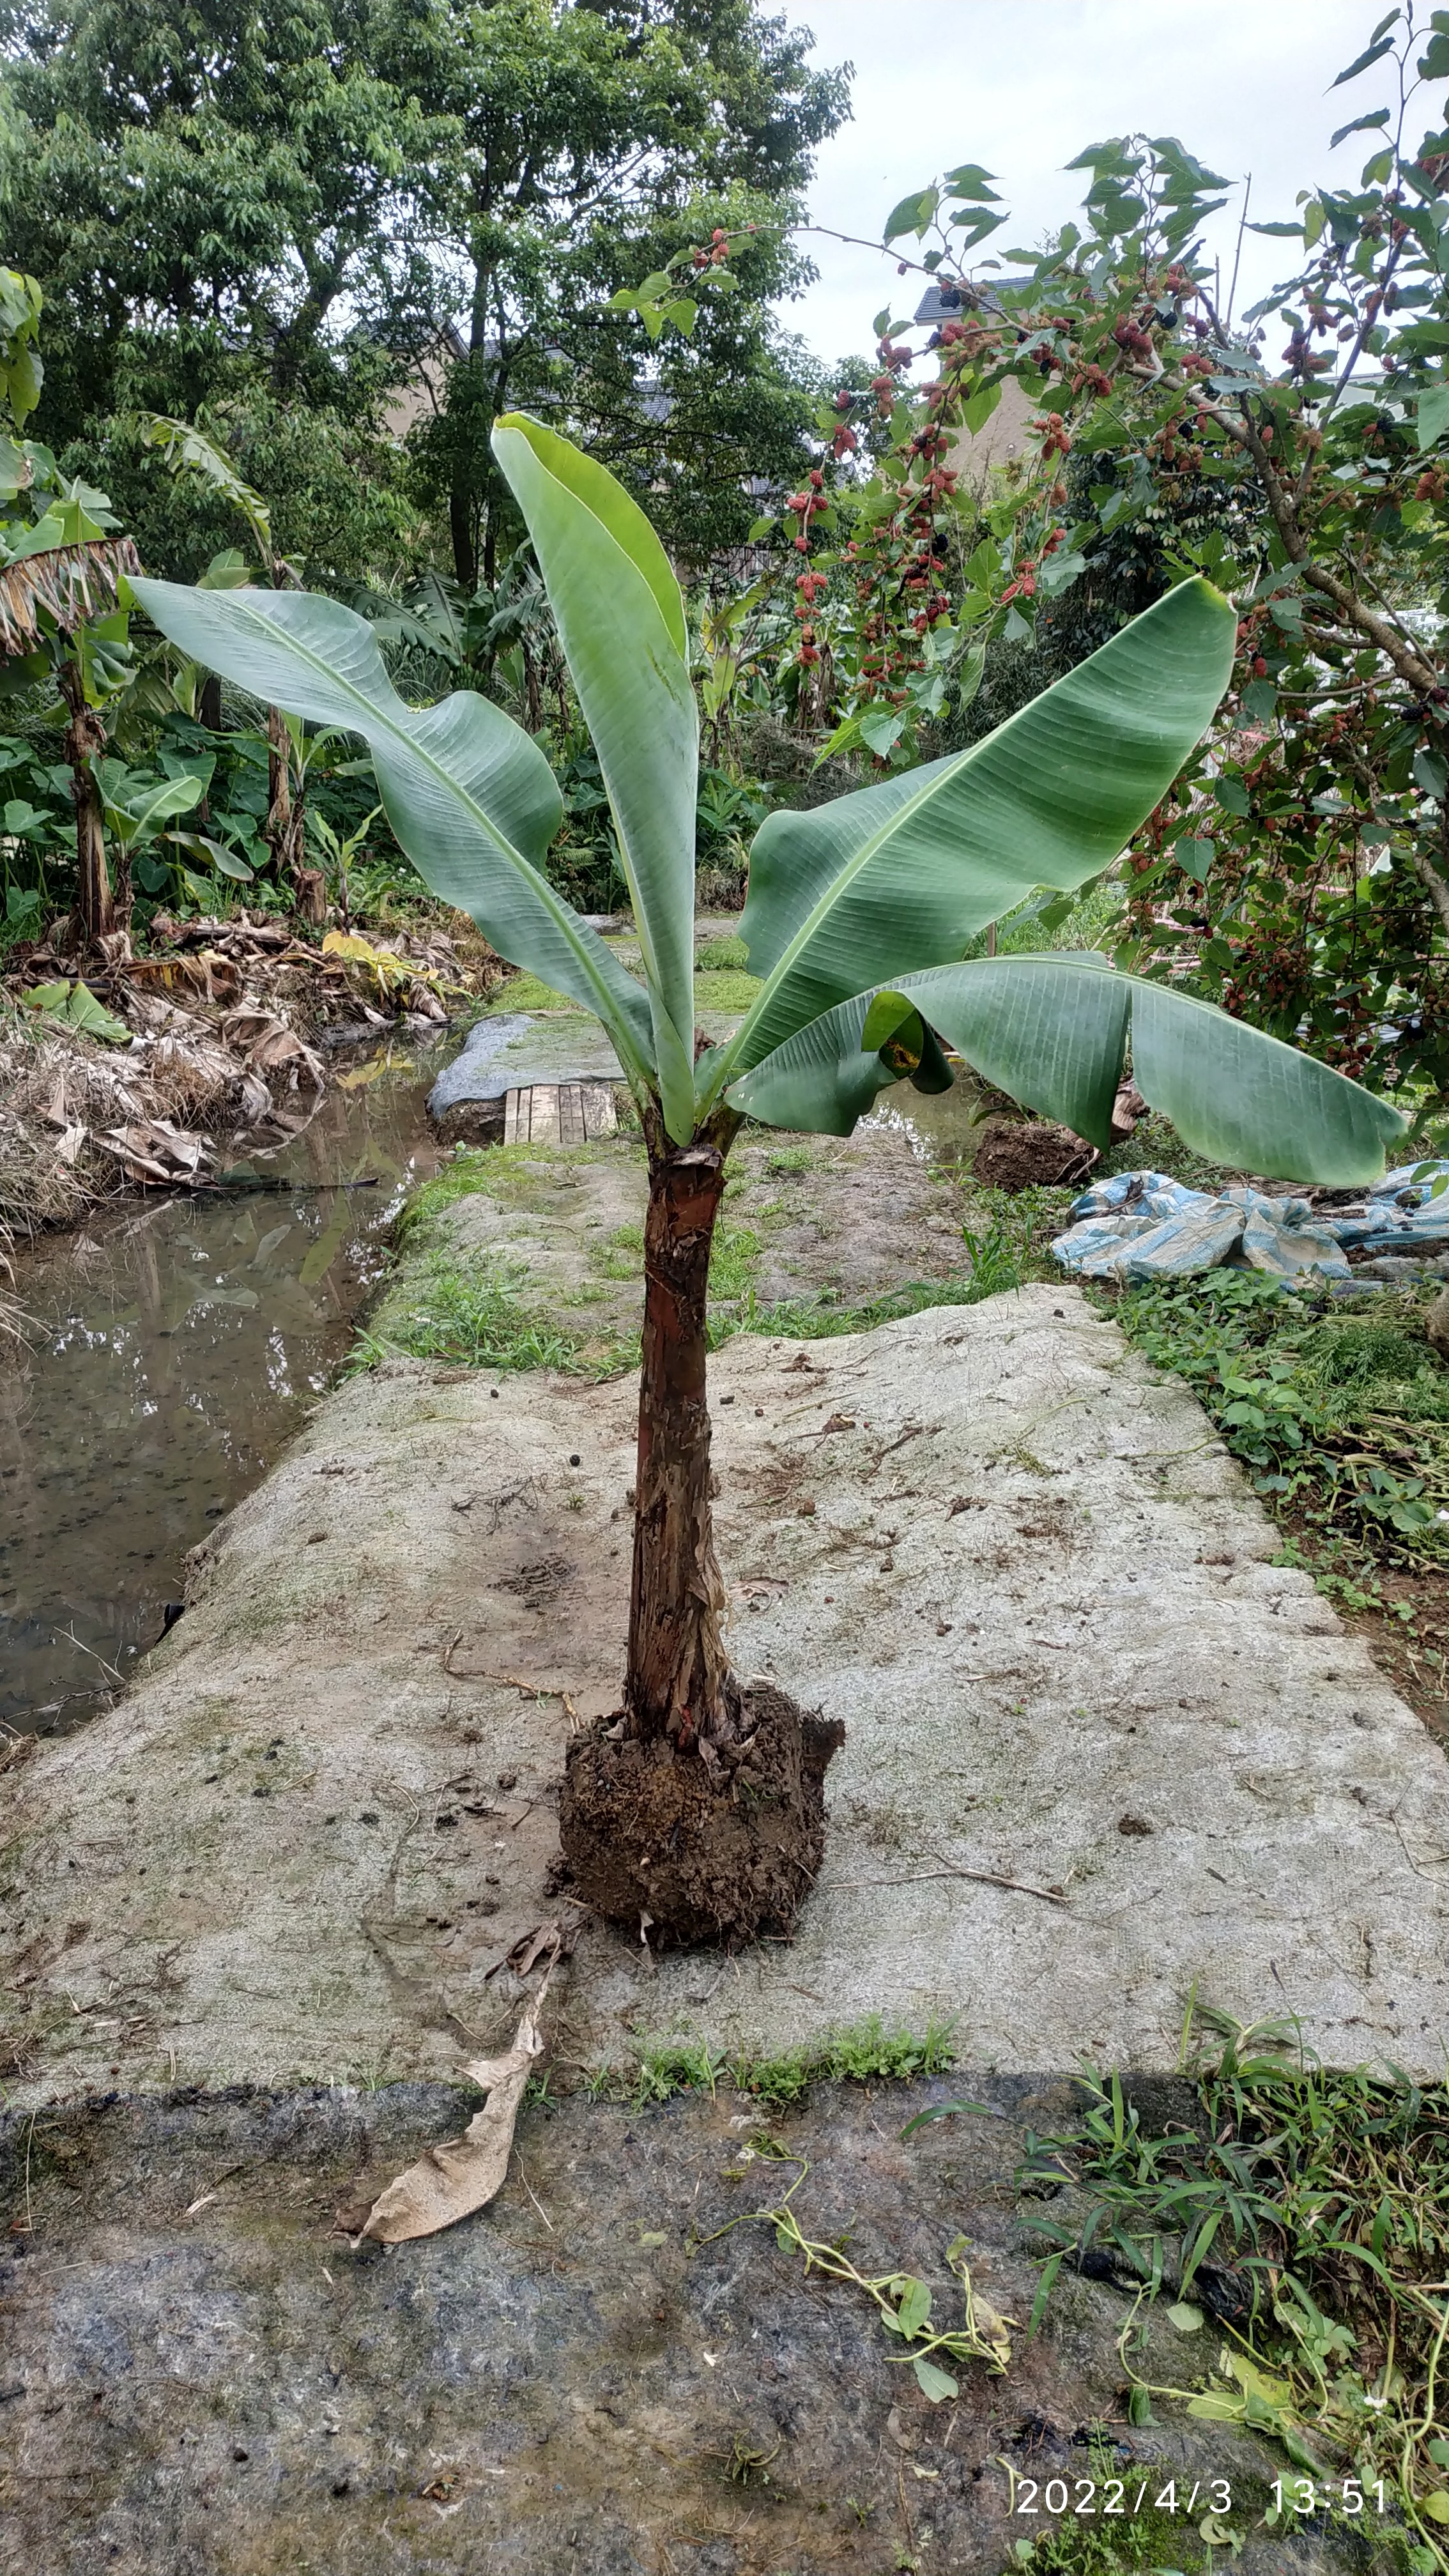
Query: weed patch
509, 1173
1299, 2224
721, 957
863, 2052
473, 1318
529, 993
728, 991
734, 1255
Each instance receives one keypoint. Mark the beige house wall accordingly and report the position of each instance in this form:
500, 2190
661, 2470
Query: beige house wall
972, 454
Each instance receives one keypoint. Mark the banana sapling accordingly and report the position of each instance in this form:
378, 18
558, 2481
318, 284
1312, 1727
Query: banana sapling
702, 1807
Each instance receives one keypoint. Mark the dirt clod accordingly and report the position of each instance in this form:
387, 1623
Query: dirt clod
645, 1831
1021, 1155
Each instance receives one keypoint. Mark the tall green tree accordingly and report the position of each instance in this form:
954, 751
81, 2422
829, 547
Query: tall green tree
269, 220
211, 200
1298, 455
591, 143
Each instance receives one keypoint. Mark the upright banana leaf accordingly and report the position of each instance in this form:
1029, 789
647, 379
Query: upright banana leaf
910, 869
620, 618
1053, 1031
468, 793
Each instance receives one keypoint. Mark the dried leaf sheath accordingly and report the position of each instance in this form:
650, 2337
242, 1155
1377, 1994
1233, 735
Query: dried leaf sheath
67, 584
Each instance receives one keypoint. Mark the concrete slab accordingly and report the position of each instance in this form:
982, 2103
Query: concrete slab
522, 1047
1103, 1754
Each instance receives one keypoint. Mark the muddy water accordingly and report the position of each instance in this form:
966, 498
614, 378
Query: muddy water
173, 1345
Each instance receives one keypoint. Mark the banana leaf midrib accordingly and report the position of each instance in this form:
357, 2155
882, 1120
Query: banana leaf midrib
723, 1073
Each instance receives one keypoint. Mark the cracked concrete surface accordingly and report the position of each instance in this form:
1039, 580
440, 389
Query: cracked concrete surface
1102, 1753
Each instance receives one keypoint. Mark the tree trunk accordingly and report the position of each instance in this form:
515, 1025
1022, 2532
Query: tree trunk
282, 830
277, 829
461, 531
678, 1682
85, 735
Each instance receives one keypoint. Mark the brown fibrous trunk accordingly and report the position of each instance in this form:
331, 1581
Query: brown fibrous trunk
85, 736
678, 1682
699, 1813
282, 830
277, 829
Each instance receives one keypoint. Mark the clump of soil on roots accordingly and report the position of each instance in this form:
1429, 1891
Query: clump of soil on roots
652, 1840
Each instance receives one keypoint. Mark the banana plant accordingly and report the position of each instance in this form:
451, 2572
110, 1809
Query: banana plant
857, 915
138, 810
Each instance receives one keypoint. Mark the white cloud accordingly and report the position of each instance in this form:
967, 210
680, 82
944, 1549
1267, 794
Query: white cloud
1024, 85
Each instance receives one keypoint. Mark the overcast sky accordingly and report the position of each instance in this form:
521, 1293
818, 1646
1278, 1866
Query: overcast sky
1023, 85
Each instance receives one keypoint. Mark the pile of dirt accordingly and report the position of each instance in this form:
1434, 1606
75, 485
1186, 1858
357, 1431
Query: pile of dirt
650, 1840
1027, 1154
117, 1067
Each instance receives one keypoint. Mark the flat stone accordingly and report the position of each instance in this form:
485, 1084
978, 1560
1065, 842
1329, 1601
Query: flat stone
521, 1048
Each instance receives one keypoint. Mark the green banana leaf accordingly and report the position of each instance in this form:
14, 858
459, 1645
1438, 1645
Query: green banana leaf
620, 619
74, 1006
137, 815
1053, 1032
469, 795
907, 871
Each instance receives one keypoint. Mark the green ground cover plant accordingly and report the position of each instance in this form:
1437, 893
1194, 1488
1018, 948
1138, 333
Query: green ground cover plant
1340, 1413
1296, 2220
870, 2051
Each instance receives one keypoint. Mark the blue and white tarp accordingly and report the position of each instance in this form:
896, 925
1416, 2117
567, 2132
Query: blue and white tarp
1142, 1225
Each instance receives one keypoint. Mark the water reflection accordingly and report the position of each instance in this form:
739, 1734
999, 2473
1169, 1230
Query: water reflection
172, 1346
939, 1126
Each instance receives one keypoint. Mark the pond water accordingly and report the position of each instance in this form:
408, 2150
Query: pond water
173, 1346
941, 1127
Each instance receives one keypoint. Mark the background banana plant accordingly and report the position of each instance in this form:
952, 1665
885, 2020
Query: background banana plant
857, 915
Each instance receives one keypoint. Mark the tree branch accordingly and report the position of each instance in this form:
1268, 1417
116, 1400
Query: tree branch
1436, 886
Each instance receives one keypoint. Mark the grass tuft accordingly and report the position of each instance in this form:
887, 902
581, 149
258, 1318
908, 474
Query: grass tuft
721, 957
473, 1319
1299, 2222
864, 2052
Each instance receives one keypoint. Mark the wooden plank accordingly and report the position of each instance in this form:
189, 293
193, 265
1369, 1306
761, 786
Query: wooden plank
596, 1102
571, 1113
552, 1113
543, 1124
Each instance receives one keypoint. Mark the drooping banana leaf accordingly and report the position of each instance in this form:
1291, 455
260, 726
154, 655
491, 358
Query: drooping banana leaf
904, 873
469, 795
620, 619
1053, 1032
